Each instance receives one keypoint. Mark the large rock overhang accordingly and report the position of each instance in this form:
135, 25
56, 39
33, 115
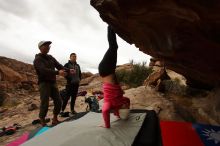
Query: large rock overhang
185, 34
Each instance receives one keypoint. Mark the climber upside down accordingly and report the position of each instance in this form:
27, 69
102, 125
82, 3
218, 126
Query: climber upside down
113, 94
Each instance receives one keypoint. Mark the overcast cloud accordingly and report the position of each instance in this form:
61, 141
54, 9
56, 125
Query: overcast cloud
72, 26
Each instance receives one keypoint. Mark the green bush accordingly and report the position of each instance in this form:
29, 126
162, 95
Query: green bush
136, 76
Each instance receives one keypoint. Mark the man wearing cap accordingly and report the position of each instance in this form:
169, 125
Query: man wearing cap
45, 68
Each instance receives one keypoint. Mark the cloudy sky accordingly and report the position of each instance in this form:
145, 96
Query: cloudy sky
72, 26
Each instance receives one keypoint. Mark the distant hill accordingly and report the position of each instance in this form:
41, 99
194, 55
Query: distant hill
16, 74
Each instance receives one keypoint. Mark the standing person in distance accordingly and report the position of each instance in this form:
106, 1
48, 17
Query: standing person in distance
72, 85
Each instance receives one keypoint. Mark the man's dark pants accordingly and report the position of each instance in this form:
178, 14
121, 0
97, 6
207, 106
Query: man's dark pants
49, 90
72, 90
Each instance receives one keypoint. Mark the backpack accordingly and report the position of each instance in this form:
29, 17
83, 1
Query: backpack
93, 103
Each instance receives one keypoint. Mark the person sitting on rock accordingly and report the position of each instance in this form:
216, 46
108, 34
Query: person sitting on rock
113, 94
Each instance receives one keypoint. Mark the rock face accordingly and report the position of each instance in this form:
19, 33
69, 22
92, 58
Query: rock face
8, 74
15, 71
15, 77
185, 34
155, 79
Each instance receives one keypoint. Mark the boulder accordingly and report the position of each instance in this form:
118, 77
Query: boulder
153, 78
8, 74
2, 97
86, 75
185, 34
